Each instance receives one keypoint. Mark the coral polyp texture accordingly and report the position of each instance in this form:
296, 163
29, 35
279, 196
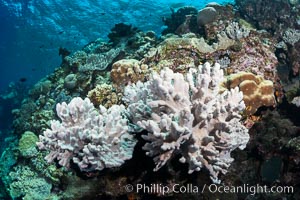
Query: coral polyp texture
296, 101
235, 31
105, 95
256, 90
92, 139
128, 71
99, 61
188, 115
291, 36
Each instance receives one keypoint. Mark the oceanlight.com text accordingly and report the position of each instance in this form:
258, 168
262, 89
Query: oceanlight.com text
211, 188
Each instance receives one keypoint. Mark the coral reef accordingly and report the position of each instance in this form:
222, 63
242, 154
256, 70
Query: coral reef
294, 144
288, 50
189, 117
257, 92
270, 157
182, 53
26, 184
236, 32
31, 117
104, 95
99, 61
178, 18
120, 31
75, 60
85, 62
128, 71
224, 16
70, 81
27, 144
41, 88
176, 108
271, 15
291, 36
255, 57
273, 135
8, 159
296, 101
31, 178
207, 22
91, 139
206, 15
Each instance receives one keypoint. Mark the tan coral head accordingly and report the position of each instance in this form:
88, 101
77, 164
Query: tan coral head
256, 90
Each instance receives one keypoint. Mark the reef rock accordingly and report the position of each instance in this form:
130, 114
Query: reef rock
206, 15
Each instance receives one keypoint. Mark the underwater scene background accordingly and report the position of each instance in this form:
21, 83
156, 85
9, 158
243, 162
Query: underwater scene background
149, 99
44, 26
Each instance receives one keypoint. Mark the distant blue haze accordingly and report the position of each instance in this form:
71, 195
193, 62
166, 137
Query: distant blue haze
33, 30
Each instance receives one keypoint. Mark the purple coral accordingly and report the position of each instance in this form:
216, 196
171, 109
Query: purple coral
92, 139
255, 57
187, 115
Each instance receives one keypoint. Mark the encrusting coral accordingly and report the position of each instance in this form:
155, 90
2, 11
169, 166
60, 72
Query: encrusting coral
27, 144
257, 92
206, 15
291, 36
27, 184
70, 81
296, 101
104, 95
256, 57
128, 71
188, 115
92, 139
236, 31
99, 61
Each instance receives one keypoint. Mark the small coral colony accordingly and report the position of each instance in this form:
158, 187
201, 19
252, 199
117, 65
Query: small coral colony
210, 101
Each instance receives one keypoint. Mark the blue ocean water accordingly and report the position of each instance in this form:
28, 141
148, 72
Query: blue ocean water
32, 31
